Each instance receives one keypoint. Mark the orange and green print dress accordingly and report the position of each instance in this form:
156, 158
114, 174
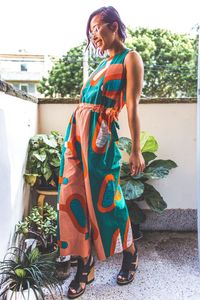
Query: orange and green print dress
91, 206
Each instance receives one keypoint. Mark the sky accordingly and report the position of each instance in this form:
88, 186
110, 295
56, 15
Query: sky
54, 26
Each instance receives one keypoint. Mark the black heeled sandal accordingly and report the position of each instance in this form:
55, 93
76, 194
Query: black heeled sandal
84, 274
129, 267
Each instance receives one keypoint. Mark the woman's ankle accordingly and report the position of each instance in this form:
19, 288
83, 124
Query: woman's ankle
131, 249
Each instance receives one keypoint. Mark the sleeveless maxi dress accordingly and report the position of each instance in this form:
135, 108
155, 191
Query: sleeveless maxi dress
91, 206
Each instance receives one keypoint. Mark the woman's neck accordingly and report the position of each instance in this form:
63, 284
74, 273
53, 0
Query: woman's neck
116, 48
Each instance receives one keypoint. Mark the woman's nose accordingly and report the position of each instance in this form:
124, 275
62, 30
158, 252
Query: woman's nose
94, 37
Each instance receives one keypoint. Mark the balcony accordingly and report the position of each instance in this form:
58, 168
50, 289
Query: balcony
168, 257
21, 76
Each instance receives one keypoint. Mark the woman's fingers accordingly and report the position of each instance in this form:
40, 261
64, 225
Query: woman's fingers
136, 169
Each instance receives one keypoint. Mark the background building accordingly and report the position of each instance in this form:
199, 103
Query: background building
24, 70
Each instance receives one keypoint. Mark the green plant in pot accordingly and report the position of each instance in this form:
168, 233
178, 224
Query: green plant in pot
43, 160
28, 274
41, 225
136, 188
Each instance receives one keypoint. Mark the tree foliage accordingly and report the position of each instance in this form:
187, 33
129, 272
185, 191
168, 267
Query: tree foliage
170, 61
66, 76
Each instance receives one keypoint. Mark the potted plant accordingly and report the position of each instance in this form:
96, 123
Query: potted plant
41, 225
43, 160
26, 274
136, 188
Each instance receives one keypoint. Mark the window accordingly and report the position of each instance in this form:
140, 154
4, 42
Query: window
31, 88
24, 88
24, 67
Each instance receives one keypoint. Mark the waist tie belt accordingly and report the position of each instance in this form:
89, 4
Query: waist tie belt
110, 115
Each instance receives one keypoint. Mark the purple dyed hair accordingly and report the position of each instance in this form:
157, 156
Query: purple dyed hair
109, 15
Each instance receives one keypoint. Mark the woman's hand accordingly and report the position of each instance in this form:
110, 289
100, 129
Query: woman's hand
136, 162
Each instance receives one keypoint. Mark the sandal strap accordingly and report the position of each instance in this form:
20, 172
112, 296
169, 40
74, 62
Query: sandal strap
83, 269
129, 261
75, 285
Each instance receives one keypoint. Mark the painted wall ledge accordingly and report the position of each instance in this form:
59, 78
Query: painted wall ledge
8, 88
143, 100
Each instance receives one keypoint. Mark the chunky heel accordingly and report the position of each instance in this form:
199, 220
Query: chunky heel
90, 276
84, 274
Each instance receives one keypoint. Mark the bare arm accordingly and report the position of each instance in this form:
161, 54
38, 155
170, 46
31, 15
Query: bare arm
134, 75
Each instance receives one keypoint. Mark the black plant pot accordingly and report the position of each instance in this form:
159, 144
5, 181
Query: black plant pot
47, 185
62, 270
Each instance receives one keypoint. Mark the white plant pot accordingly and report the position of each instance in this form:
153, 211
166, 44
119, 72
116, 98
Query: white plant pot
20, 296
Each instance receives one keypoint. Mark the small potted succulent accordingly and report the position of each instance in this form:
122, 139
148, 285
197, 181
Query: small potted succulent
136, 188
43, 160
28, 274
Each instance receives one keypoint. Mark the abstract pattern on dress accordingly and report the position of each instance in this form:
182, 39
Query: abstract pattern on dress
91, 206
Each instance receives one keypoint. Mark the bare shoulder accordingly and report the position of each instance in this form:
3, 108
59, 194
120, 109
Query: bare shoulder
133, 58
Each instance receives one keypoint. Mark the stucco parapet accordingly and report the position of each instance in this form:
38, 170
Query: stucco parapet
143, 100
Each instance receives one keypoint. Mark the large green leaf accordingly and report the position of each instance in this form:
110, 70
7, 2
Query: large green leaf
147, 142
156, 173
148, 156
153, 198
135, 212
132, 189
124, 170
168, 164
140, 175
125, 144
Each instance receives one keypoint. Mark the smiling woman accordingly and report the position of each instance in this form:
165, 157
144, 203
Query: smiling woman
91, 205
103, 27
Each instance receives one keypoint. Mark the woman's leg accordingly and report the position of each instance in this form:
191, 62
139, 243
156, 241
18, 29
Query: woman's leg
131, 249
129, 265
84, 275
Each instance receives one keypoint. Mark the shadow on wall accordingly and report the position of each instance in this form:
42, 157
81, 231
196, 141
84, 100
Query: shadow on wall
5, 188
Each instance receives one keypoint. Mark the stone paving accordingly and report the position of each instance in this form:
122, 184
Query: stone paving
168, 270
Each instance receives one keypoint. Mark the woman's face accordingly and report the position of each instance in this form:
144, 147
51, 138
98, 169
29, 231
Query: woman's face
102, 36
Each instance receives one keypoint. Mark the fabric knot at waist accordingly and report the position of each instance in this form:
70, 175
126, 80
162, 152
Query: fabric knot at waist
109, 114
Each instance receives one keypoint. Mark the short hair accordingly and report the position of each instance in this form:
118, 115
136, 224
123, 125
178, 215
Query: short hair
109, 15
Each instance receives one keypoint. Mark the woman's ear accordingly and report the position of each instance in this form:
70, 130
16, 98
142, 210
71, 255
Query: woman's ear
115, 27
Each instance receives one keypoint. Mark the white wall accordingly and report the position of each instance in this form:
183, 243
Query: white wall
18, 122
174, 127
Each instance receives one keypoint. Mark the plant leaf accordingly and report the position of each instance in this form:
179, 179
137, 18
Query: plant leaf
156, 173
154, 199
40, 157
148, 156
125, 144
168, 164
31, 178
135, 212
147, 142
125, 169
55, 162
132, 189
50, 141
